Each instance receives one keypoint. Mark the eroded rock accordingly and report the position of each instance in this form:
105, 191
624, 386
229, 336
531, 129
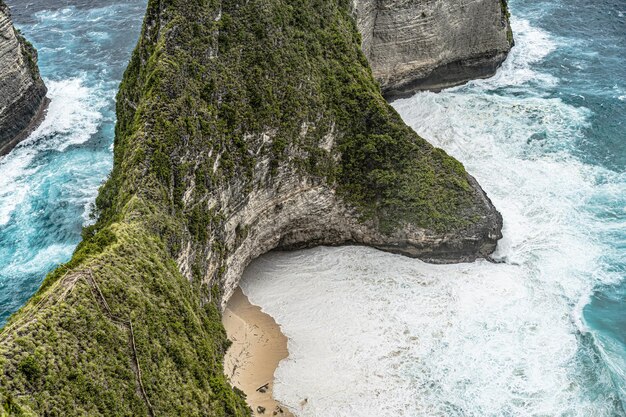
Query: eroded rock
432, 44
22, 91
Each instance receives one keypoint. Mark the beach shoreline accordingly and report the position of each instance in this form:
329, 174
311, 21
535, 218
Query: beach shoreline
257, 348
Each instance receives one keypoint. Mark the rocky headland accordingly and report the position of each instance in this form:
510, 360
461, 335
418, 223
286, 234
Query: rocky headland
242, 127
22, 92
430, 44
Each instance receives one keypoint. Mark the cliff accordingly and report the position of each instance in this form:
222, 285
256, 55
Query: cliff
243, 126
22, 92
432, 44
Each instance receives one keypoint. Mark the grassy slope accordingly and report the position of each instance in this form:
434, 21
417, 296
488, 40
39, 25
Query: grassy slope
64, 355
201, 80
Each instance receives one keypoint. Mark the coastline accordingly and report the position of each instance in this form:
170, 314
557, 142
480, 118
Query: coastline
35, 122
257, 348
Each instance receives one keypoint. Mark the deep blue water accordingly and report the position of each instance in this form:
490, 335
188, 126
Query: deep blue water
558, 108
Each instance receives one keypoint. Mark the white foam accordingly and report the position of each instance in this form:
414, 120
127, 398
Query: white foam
531, 46
42, 260
73, 115
378, 334
72, 118
12, 193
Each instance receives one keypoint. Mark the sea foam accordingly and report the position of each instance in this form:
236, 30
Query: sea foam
49, 182
71, 119
378, 334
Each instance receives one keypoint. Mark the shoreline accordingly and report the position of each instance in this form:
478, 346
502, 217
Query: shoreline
257, 348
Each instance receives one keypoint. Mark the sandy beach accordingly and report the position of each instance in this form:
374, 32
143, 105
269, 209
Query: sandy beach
258, 346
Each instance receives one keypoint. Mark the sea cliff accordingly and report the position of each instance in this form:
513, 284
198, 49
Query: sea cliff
432, 44
22, 91
242, 127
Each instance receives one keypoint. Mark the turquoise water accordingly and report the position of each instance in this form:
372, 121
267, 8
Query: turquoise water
48, 183
589, 66
546, 137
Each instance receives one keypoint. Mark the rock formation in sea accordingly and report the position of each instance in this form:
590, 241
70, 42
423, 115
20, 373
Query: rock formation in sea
243, 126
22, 91
432, 44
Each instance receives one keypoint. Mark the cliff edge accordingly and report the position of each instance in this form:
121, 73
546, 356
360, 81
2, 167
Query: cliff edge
243, 126
22, 91
431, 44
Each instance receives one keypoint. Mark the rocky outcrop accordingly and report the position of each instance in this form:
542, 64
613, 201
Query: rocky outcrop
298, 213
432, 44
22, 91
243, 126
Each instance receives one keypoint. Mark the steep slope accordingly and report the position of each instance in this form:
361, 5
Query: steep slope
243, 126
22, 92
432, 44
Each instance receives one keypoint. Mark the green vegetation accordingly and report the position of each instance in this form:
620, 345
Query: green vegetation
73, 358
507, 20
29, 51
213, 87
268, 67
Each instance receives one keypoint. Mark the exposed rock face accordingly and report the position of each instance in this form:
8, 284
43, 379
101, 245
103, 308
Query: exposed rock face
432, 44
294, 212
243, 126
22, 91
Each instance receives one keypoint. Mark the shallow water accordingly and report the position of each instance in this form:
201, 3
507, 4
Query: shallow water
542, 334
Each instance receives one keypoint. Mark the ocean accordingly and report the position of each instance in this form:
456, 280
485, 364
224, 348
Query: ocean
541, 334
49, 182
544, 333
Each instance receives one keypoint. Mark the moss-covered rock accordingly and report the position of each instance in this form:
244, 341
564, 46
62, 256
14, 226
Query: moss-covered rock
242, 126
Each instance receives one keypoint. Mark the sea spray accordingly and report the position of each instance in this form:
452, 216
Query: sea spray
373, 333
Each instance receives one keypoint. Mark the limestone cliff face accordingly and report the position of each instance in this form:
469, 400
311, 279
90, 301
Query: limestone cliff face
296, 212
432, 44
243, 126
22, 92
